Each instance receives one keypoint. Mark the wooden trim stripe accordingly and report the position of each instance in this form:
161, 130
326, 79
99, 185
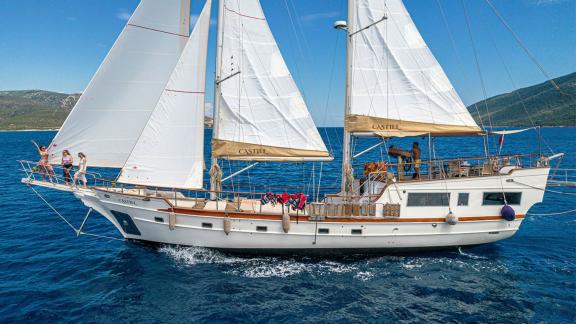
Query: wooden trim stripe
303, 218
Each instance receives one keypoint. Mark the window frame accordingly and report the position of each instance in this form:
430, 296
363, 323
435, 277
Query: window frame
415, 202
512, 198
461, 202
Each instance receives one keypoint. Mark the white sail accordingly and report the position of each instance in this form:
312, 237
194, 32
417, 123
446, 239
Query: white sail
396, 85
170, 151
111, 113
260, 113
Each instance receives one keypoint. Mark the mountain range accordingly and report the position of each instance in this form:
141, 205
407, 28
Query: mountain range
541, 104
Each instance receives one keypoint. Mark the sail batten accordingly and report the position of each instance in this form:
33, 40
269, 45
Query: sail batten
115, 106
170, 150
259, 107
396, 83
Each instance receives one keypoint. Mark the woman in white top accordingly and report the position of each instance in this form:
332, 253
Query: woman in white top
81, 173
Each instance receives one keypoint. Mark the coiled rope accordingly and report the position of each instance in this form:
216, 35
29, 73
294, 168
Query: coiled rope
68, 223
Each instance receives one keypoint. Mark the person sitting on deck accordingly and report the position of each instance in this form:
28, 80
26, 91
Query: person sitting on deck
44, 165
416, 160
81, 173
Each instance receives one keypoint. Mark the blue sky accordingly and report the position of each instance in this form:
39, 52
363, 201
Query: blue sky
57, 45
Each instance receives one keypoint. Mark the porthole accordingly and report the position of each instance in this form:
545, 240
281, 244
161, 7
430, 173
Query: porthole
159, 219
356, 231
261, 229
323, 231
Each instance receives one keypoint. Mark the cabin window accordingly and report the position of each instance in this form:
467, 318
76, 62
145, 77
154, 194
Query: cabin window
323, 231
497, 198
463, 199
206, 225
159, 219
356, 231
261, 229
419, 199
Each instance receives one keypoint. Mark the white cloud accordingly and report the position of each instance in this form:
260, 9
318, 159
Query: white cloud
320, 15
122, 14
548, 2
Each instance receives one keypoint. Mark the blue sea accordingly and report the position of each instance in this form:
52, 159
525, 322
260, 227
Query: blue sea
47, 274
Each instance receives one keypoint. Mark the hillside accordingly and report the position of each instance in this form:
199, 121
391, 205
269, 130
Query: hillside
38, 109
545, 105
34, 109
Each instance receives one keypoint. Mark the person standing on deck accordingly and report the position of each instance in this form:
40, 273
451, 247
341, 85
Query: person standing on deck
81, 173
67, 162
44, 165
416, 160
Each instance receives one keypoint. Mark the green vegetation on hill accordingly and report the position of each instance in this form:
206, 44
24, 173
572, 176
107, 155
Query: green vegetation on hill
544, 104
37, 109
34, 109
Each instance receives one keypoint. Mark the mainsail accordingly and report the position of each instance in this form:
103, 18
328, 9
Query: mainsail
170, 151
397, 87
111, 113
260, 114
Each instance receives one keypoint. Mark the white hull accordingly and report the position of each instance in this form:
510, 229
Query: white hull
148, 219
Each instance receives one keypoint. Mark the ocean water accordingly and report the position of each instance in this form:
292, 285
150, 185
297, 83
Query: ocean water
49, 275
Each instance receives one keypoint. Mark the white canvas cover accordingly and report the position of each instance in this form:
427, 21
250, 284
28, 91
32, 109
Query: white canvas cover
111, 113
261, 114
170, 151
396, 83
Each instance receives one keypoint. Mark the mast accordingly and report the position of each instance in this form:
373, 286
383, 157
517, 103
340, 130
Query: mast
216, 110
346, 154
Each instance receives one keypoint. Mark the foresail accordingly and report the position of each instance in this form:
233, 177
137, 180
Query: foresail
111, 113
170, 151
261, 114
397, 85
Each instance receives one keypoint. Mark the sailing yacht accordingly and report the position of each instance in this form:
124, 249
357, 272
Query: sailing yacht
143, 112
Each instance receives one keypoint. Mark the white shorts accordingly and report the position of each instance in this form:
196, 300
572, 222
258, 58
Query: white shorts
81, 176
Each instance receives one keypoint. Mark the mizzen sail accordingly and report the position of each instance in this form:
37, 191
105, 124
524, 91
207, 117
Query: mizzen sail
260, 113
111, 113
397, 87
170, 151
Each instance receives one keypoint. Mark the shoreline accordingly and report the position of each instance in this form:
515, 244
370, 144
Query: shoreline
57, 129
30, 130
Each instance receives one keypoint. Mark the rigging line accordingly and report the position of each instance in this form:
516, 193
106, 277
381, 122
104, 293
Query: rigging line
299, 46
102, 236
553, 214
458, 58
546, 190
524, 47
158, 30
330, 83
516, 89
319, 181
273, 82
53, 209
418, 61
67, 222
477, 61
